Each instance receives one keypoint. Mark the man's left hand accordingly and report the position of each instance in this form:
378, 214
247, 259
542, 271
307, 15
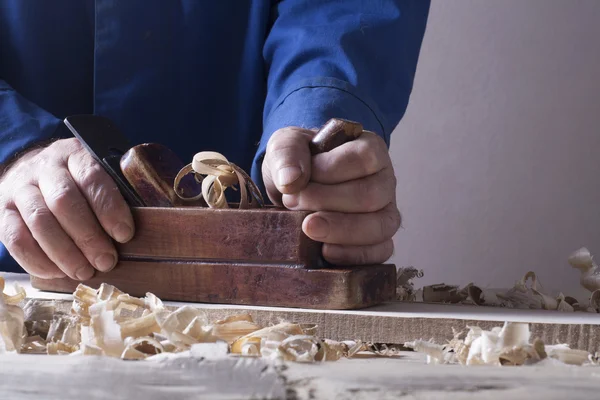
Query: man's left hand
352, 190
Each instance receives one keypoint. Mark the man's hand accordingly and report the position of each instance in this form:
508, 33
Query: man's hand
56, 205
352, 189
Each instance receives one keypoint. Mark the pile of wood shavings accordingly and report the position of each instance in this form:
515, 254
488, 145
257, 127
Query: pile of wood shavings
108, 322
527, 293
506, 345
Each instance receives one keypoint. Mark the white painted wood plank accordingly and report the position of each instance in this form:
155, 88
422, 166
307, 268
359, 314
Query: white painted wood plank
37, 377
401, 379
393, 309
401, 322
406, 376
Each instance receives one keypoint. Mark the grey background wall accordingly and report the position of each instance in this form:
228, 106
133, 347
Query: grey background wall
498, 156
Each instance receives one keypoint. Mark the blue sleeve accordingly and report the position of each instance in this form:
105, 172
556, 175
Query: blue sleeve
22, 123
352, 59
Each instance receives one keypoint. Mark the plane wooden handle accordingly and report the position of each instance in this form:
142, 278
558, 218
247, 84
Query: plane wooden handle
150, 169
335, 133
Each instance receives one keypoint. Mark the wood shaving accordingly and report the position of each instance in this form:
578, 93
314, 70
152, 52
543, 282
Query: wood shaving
590, 274
527, 293
107, 322
595, 301
12, 322
405, 290
442, 293
508, 345
216, 174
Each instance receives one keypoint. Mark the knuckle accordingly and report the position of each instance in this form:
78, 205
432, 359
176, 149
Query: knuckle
8, 177
89, 174
389, 223
17, 242
62, 199
38, 219
275, 140
369, 195
88, 240
276, 147
104, 200
387, 251
368, 158
286, 139
362, 256
67, 146
43, 158
376, 191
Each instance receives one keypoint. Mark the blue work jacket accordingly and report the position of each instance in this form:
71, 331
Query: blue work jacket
199, 75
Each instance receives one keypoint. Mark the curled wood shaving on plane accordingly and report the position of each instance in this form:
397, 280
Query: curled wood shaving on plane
216, 174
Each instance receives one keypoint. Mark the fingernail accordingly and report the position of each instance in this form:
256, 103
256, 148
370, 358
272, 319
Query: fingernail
290, 200
288, 175
85, 273
318, 227
105, 262
122, 232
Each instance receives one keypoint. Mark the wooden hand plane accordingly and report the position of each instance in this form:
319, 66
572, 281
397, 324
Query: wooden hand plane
184, 251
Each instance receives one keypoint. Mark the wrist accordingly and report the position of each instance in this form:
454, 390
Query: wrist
24, 154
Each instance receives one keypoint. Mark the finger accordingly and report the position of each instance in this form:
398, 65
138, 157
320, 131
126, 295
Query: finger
73, 213
356, 159
50, 236
272, 192
288, 159
368, 194
358, 255
21, 245
353, 229
103, 195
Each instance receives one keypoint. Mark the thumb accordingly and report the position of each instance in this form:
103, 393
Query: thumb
287, 163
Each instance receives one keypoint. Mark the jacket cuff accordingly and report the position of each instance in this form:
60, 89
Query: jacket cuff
22, 124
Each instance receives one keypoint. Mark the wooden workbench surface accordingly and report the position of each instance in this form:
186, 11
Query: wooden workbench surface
30, 377
404, 376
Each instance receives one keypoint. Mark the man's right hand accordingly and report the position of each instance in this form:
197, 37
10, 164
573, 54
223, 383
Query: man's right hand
58, 211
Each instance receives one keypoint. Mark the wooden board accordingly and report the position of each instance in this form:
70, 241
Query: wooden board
407, 376
254, 284
397, 322
264, 236
42, 377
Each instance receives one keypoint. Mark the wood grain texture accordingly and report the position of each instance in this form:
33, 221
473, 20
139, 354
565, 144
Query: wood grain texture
249, 284
266, 236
